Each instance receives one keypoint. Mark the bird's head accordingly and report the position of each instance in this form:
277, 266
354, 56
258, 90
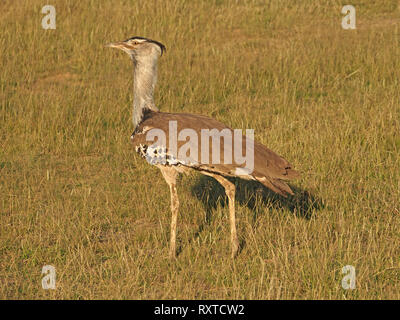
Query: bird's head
140, 48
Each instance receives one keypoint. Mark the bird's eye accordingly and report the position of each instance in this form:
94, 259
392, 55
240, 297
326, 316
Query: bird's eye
134, 42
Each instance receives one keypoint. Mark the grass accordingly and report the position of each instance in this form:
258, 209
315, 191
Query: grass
74, 195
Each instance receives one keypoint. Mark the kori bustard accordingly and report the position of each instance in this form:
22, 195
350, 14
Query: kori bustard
267, 167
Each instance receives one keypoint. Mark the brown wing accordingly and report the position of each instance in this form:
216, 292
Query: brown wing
269, 168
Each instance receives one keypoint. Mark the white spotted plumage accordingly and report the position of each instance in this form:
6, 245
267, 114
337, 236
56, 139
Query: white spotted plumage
157, 155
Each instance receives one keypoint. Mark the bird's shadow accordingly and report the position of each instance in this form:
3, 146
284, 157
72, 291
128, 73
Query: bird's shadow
254, 196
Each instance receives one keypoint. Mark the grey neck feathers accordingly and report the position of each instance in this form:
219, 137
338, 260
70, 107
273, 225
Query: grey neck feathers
145, 78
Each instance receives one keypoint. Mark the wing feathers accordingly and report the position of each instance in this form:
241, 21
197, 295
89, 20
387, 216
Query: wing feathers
270, 169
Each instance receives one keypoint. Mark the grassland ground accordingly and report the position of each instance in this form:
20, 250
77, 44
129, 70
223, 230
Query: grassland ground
74, 195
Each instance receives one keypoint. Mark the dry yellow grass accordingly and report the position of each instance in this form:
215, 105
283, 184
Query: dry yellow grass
74, 195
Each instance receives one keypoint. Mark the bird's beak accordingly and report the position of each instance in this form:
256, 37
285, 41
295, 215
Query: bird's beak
118, 45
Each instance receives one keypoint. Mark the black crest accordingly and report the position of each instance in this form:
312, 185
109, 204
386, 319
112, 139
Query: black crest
162, 47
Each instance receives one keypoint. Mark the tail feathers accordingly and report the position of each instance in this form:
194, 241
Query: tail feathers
291, 174
276, 185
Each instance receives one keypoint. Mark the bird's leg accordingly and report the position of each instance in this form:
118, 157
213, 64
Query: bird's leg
230, 192
174, 210
170, 175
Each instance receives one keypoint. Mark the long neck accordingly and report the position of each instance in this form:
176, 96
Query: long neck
145, 78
